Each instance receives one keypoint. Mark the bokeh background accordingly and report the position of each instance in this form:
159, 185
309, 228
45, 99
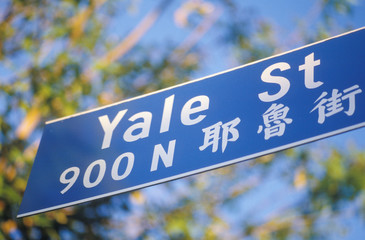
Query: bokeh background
61, 57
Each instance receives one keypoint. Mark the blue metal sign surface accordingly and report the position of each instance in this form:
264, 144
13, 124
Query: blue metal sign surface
266, 106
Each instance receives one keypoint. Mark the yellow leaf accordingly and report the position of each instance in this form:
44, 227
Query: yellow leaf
61, 217
265, 159
20, 184
31, 151
2, 164
8, 226
2, 206
10, 173
137, 197
28, 221
28, 124
300, 179
78, 21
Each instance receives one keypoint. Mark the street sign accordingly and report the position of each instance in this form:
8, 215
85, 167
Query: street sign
280, 102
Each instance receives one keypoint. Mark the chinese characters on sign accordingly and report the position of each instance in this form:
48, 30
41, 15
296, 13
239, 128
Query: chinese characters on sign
213, 134
275, 121
275, 118
329, 106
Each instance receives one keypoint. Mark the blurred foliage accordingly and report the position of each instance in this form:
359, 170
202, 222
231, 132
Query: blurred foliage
61, 57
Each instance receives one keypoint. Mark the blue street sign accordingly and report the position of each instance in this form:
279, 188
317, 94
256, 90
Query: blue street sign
280, 102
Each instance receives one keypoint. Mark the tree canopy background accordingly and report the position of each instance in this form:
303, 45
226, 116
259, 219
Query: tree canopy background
62, 57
